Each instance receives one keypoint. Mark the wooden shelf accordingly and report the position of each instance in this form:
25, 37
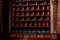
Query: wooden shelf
30, 14
32, 1
29, 5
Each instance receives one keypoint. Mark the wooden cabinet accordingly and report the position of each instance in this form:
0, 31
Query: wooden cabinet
30, 17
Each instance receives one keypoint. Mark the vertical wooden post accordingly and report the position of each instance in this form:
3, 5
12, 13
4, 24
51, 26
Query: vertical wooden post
0, 16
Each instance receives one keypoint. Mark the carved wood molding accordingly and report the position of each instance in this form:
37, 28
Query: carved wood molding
55, 15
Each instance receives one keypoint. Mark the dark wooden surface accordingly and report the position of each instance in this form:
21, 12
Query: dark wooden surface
0, 16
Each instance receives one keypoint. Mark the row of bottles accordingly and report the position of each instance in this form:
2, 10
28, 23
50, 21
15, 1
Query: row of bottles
32, 31
31, 18
31, 0
26, 36
18, 8
42, 13
31, 3
31, 24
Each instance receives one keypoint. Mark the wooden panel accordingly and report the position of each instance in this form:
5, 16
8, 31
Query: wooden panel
0, 16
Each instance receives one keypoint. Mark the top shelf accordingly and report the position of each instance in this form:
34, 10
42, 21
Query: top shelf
31, 0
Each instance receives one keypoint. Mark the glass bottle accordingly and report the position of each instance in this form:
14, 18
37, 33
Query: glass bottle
16, 24
34, 18
41, 18
20, 4
35, 24
32, 13
38, 7
18, 9
47, 24
32, 7
38, 13
30, 23
43, 24
13, 9
27, 13
26, 23
43, 8
12, 13
21, 24
22, 8
47, 13
13, 4
22, 13
18, 14
23, 19
27, 3
36, 3
42, 13
28, 19
39, 24
27, 8
47, 7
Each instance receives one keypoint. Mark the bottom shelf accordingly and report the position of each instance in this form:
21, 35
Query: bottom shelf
29, 36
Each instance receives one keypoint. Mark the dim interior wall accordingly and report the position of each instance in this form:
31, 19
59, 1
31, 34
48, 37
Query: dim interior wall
58, 17
0, 16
